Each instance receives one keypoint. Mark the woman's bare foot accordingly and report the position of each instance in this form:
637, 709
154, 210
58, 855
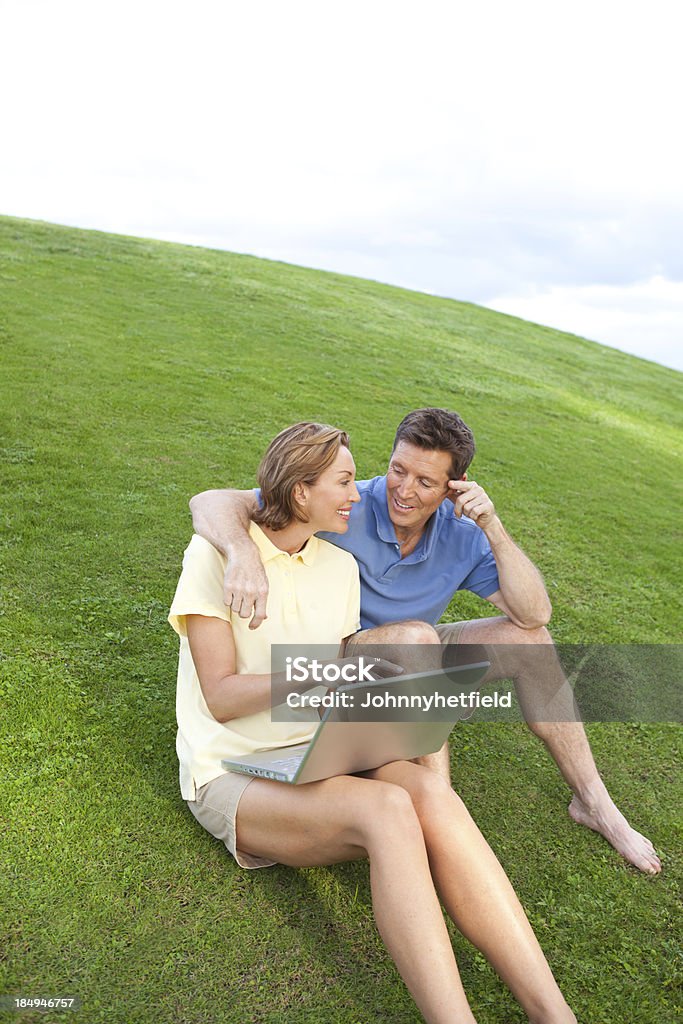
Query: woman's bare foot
613, 826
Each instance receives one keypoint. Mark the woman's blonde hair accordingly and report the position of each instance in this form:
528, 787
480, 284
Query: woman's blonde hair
299, 454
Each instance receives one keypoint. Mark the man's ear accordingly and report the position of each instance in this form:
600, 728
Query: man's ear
450, 491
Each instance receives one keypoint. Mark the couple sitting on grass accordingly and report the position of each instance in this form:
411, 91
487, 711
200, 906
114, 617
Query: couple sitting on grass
413, 549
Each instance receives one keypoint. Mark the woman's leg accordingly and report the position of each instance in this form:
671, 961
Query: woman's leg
345, 818
477, 893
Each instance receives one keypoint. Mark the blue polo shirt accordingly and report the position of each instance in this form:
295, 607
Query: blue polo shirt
452, 554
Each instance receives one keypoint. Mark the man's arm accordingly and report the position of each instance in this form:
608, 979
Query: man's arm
222, 518
522, 595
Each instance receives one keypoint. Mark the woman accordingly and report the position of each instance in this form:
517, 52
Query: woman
415, 831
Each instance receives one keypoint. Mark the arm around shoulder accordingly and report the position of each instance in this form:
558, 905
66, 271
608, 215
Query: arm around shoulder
223, 518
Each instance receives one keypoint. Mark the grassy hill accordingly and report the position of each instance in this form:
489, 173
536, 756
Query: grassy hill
136, 373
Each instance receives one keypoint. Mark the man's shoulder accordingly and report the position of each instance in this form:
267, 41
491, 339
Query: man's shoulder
447, 516
368, 487
452, 529
373, 497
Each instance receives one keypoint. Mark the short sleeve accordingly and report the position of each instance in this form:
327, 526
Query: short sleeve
483, 578
353, 618
200, 587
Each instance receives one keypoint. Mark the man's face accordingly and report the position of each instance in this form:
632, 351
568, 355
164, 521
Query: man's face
417, 483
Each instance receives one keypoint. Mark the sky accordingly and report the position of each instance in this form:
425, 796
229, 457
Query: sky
521, 156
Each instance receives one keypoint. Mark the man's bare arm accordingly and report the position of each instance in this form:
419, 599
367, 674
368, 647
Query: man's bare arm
522, 595
222, 518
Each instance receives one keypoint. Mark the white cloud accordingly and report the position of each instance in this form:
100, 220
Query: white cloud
471, 149
645, 319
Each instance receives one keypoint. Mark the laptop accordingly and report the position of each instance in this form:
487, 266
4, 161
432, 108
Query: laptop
367, 736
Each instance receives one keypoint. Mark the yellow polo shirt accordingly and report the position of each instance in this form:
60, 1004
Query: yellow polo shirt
314, 598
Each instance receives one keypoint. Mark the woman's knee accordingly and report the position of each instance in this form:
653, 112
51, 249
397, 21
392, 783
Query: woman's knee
432, 796
387, 808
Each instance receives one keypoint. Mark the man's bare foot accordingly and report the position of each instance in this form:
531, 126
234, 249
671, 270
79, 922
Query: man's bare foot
612, 824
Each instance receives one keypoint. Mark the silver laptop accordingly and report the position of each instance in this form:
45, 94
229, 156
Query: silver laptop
356, 740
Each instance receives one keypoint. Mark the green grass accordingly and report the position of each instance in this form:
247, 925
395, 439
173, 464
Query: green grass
135, 373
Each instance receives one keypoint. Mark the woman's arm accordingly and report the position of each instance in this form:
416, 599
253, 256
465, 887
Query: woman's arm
227, 694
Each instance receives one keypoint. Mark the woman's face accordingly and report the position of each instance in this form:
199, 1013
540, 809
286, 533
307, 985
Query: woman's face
328, 501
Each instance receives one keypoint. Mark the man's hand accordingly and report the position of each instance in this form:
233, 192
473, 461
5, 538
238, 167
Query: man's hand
472, 500
223, 518
245, 585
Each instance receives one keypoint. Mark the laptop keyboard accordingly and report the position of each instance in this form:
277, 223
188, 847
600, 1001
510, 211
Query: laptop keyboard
287, 764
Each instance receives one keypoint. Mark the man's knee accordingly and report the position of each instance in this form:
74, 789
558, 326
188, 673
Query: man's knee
413, 631
510, 633
538, 635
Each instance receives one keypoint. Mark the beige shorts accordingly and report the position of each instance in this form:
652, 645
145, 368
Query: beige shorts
215, 808
449, 632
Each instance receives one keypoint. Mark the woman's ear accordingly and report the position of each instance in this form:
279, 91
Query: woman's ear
300, 493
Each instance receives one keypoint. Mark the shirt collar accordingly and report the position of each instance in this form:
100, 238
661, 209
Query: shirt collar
268, 550
385, 527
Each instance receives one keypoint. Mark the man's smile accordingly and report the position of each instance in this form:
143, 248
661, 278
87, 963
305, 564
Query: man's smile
400, 507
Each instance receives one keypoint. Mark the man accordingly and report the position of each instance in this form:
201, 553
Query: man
421, 533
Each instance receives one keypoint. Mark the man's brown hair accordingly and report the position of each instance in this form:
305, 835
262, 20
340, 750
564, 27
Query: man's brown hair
299, 454
439, 430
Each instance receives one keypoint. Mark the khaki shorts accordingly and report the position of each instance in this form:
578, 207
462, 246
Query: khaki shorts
449, 632
462, 654
215, 808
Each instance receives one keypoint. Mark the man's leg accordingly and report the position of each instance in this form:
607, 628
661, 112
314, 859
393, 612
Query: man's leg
416, 647
528, 657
